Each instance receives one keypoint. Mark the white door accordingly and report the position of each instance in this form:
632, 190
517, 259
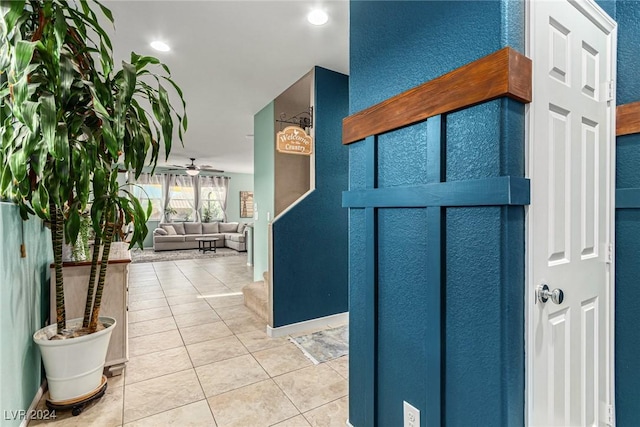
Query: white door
570, 218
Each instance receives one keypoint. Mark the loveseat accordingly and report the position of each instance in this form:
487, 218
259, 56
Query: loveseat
182, 235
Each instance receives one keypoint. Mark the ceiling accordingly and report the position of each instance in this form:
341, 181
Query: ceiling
231, 58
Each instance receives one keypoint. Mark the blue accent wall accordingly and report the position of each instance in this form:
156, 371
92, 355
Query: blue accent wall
23, 308
627, 339
396, 46
310, 241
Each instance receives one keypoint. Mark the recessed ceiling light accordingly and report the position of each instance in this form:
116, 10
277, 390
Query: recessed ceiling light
161, 46
318, 17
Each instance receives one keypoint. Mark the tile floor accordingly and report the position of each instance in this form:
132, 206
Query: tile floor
199, 357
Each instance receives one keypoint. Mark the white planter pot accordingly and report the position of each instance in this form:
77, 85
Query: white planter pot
74, 366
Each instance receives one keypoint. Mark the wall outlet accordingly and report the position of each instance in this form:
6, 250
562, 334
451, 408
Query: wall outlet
411, 415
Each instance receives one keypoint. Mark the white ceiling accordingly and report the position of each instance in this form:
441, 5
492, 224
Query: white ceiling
231, 58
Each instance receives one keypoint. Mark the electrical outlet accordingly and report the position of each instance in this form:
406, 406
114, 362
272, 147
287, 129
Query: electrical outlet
411, 415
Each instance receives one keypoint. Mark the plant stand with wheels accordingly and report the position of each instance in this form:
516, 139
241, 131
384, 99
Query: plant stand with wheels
77, 405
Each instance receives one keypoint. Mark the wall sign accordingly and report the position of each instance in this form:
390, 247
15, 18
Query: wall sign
294, 140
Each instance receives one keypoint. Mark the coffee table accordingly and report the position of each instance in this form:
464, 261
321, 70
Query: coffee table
202, 243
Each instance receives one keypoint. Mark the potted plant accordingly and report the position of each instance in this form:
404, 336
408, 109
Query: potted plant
68, 122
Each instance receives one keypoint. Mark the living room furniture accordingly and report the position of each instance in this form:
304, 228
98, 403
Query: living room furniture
114, 299
183, 235
202, 244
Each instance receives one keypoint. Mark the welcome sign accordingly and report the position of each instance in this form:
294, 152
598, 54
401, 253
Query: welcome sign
294, 140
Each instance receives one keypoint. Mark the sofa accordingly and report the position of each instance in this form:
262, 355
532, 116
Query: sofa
182, 235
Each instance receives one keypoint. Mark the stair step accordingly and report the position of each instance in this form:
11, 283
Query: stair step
256, 299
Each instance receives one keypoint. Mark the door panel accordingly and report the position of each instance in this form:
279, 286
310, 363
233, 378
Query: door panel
569, 218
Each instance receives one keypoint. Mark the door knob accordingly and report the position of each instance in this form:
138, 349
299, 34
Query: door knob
543, 294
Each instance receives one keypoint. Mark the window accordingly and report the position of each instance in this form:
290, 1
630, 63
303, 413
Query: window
147, 189
212, 209
181, 200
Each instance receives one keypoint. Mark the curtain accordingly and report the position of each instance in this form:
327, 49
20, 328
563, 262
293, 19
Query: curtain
220, 185
167, 181
197, 198
187, 182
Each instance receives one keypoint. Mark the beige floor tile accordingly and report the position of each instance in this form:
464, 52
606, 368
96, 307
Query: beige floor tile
181, 291
147, 304
236, 311
212, 289
341, 365
154, 342
298, 421
280, 360
312, 387
258, 340
226, 299
156, 364
105, 412
149, 327
196, 414
196, 318
256, 405
146, 296
134, 290
161, 394
204, 332
184, 299
141, 283
334, 414
230, 374
207, 352
150, 314
190, 308
246, 323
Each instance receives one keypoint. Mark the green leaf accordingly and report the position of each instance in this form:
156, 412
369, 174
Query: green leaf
18, 165
99, 182
60, 28
106, 11
73, 226
30, 115
15, 8
61, 144
48, 121
23, 55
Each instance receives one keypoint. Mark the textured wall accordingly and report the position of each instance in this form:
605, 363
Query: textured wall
23, 306
310, 240
627, 224
263, 182
394, 47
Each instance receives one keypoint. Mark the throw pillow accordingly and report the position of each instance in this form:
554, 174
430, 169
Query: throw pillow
241, 227
179, 226
193, 228
210, 228
228, 227
160, 231
170, 230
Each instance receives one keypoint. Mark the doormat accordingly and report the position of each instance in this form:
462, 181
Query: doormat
323, 346
149, 255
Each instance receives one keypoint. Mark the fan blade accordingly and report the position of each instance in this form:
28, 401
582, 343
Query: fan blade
212, 170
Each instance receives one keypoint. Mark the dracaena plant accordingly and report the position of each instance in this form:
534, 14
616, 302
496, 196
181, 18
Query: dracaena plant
70, 119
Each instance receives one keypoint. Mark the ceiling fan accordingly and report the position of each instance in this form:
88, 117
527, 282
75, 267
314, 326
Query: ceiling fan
193, 170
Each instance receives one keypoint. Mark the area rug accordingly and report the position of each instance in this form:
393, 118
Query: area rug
324, 345
149, 255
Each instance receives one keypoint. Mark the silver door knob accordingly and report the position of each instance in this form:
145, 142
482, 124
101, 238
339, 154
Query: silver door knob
543, 294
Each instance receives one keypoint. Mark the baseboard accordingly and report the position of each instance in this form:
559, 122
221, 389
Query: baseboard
349, 424
320, 322
34, 404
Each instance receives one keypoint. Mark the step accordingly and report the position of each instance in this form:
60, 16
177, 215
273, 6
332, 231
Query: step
256, 299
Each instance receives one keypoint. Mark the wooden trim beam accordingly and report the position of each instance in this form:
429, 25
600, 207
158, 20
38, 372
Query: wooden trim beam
628, 119
502, 73
628, 198
498, 191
